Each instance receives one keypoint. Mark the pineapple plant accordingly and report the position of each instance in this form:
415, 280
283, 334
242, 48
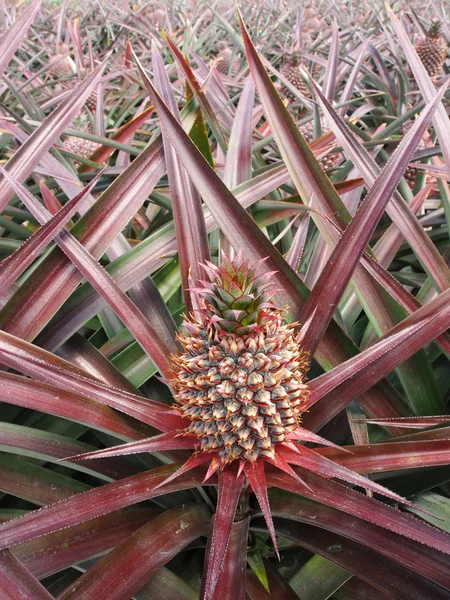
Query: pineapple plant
291, 71
159, 439
432, 49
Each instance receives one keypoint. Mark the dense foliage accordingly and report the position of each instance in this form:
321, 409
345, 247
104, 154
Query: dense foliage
224, 301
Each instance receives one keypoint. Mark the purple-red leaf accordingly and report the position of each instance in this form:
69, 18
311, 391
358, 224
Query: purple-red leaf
17, 583
124, 570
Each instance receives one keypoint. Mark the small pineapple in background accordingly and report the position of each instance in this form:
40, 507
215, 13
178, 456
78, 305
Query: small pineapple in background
223, 60
410, 173
331, 159
291, 71
61, 63
91, 102
240, 378
432, 49
77, 145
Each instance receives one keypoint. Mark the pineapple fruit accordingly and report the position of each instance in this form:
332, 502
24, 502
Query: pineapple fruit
331, 159
239, 378
78, 145
223, 61
291, 72
64, 65
432, 50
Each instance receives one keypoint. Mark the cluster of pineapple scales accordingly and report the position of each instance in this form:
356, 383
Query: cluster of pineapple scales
239, 378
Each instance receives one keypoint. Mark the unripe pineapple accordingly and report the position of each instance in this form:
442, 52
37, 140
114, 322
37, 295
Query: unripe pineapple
240, 376
78, 145
223, 61
432, 50
291, 71
64, 65
410, 173
330, 160
91, 102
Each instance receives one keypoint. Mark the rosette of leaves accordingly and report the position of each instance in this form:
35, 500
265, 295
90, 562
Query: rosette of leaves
152, 442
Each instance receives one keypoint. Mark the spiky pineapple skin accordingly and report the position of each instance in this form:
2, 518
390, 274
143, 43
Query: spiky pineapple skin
223, 62
291, 72
62, 68
243, 390
432, 50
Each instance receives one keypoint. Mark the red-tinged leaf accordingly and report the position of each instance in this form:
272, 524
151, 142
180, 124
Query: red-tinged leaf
304, 435
124, 570
80, 353
311, 461
52, 204
398, 582
35, 443
257, 478
350, 83
192, 239
86, 506
143, 261
409, 422
339, 269
58, 277
122, 135
198, 91
279, 588
25, 159
426, 85
393, 456
422, 560
16, 582
307, 175
351, 502
232, 581
165, 441
229, 491
65, 548
238, 163
329, 83
15, 33
398, 210
192, 462
51, 399
337, 388
36, 484
18, 261
147, 336
47, 367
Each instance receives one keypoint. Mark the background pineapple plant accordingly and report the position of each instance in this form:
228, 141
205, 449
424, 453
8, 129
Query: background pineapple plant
159, 438
432, 49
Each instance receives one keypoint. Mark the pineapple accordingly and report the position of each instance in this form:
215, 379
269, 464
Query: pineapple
331, 159
78, 145
432, 50
410, 173
291, 72
91, 102
240, 376
64, 65
223, 61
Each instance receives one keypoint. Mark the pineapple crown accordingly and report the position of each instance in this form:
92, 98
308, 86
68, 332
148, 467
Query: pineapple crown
294, 58
435, 28
237, 299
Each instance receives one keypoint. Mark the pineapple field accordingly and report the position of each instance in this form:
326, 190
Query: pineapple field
224, 300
